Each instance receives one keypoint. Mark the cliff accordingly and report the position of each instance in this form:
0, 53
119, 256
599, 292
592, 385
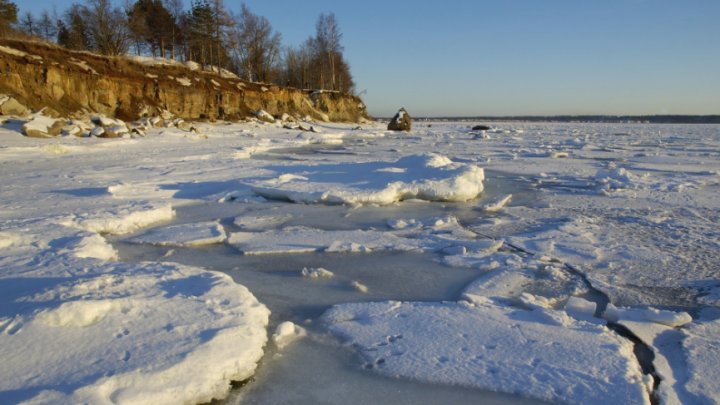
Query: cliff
43, 75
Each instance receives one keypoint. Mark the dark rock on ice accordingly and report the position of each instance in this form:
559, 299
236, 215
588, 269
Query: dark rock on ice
401, 121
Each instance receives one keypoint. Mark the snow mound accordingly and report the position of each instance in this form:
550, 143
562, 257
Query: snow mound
150, 333
494, 348
286, 333
429, 177
197, 234
96, 247
618, 178
122, 220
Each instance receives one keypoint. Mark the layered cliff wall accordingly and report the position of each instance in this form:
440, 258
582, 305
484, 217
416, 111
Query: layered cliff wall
42, 75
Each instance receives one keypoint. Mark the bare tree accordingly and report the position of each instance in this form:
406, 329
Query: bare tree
328, 36
107, 27
176, 9
255, 46
47, 26
27, 24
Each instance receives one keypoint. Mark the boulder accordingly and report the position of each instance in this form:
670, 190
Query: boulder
263, 115
480, 128
43, 127
10, 106
401, 121
115, 131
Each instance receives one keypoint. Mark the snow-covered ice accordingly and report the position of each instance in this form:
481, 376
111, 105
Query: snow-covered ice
493, 347
195, 234
563, 235
429, 177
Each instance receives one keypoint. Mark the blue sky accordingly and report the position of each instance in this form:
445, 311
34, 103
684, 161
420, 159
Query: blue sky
516, 57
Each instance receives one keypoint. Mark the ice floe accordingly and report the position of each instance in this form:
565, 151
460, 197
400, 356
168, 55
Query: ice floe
429, 177
123, 220
195, 234
156, 333
495, 348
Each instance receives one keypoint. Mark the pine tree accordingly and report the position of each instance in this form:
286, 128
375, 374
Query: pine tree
8, 15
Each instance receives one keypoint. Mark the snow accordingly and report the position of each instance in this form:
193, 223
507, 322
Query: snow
12, 51
316, 273
197, 234
429, 177
702, 354
260, 222
124, 333
448, 237
286, 333
628, 218
359, 287
498, 204
123, 220
492, 347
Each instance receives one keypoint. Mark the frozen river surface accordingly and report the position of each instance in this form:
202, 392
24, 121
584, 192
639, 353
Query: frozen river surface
534, 262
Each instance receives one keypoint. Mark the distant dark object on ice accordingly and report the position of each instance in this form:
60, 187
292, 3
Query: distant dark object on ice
401, 121
480, 128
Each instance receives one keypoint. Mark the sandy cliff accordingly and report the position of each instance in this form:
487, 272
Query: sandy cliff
42, 75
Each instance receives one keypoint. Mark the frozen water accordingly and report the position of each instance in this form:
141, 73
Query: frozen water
622, 216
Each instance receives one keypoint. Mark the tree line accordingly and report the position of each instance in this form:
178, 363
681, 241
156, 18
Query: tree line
206, 33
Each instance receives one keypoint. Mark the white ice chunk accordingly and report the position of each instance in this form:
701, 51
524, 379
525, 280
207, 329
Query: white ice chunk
663, 317
299, 239
149, 333
95, 246
286, 333
195, 234
429, 177
494, 348
122, 220
319, 272
581, 309
359, 287
497, 204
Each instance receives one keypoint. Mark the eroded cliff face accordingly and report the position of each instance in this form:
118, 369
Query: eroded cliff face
42, 75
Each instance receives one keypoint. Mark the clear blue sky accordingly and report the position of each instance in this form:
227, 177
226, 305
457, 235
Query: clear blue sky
515, 57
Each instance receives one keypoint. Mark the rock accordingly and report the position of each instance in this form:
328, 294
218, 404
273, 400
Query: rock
263, 115
157, 122
72, 130
43, 127
115, 131
287, 118
103, 121
182, 124
10, 106
401, 121
480, 128
50, 112
98, 131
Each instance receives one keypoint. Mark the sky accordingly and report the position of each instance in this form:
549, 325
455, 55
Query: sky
514, 57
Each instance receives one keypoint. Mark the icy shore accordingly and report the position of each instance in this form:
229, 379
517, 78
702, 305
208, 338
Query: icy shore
545, 217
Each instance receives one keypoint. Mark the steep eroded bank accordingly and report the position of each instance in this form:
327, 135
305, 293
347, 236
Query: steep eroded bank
42, 75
